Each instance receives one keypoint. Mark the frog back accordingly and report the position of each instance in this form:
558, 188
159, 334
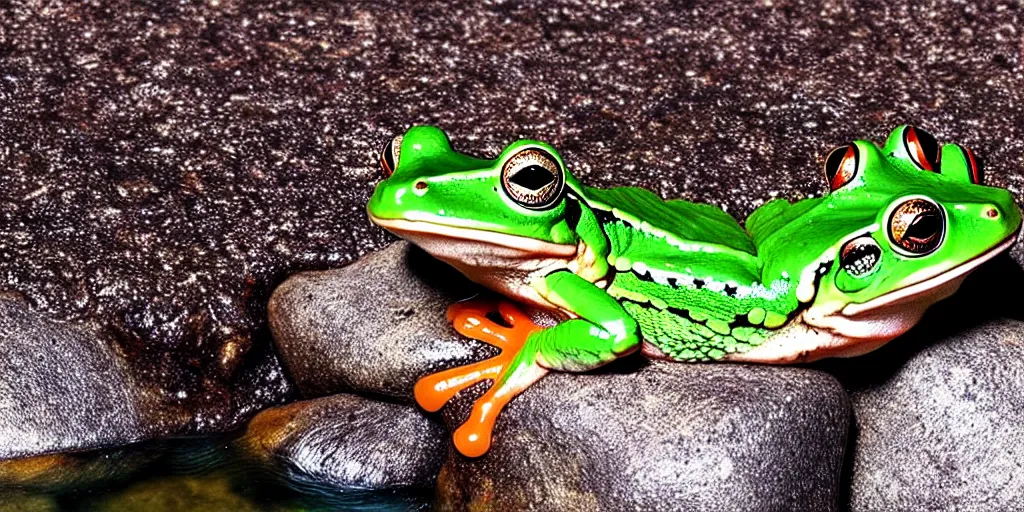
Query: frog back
688, 222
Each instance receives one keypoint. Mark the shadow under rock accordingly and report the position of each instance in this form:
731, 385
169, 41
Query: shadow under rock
438, 274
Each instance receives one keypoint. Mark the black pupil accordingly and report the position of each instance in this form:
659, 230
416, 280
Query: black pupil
861, 258
925, 226
533, 177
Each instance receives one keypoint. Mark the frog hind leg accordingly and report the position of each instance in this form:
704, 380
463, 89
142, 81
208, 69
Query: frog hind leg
470, 319
602, 333
512, 371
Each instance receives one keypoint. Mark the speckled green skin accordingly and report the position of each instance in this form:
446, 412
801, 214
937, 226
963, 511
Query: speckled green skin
687, 277
693, 305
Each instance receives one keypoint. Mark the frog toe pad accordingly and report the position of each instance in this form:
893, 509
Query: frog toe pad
511, 373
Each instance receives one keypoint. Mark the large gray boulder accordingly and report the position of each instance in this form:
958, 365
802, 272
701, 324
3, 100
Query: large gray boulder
666, 436
65, 388
939, 412
374, 326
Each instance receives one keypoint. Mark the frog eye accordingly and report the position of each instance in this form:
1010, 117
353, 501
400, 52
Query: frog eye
922, 148
533, 179
916, 227
860, 256
389, 156
841, 166
972, 165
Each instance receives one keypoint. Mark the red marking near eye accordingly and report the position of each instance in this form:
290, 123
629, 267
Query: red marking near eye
975, 177
384, 164
916, 149
914, 144
846, 169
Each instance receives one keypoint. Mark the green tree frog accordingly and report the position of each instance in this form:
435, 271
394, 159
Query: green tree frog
835, 276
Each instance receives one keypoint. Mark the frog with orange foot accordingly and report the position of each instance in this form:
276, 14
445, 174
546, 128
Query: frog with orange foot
836, 276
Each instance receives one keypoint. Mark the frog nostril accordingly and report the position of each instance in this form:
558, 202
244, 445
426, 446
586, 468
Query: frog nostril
992, 212
420, 186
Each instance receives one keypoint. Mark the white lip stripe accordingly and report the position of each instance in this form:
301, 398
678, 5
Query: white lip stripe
928, 284
522, 243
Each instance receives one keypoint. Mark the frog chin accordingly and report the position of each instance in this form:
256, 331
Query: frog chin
848, 330
502, 262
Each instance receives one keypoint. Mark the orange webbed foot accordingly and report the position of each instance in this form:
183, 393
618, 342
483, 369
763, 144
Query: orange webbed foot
470, 319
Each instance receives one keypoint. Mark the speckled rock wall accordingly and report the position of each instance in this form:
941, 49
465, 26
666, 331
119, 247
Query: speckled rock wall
165, 165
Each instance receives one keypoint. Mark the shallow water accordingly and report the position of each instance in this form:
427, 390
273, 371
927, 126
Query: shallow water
185, 475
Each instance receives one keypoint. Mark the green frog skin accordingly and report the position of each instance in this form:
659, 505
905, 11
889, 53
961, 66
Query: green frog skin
835, 276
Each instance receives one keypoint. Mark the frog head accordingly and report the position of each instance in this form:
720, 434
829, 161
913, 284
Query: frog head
475, 213
900, 228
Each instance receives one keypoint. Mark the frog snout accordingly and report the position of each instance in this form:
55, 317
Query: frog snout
1001, 215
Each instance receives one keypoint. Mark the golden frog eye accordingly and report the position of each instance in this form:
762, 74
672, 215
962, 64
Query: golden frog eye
533, 179
922, 147
860, 256
841, 166
917, 227
389, 156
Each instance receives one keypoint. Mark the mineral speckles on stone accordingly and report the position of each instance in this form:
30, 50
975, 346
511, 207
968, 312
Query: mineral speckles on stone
675, 436
165, 165
348, 442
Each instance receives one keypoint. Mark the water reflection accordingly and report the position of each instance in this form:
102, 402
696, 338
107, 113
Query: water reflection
179, 475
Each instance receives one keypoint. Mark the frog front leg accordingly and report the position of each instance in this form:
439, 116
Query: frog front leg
602, 332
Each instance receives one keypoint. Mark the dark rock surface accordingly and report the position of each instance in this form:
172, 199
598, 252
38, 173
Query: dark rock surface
938, 412
375, 326
165, 165
62, 389
348, 442
700, 436
669, 436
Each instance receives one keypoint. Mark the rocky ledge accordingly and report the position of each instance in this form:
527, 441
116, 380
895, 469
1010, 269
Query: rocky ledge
635, 435
940, 405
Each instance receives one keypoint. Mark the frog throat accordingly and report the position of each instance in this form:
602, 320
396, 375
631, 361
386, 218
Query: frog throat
892, 314
453, 243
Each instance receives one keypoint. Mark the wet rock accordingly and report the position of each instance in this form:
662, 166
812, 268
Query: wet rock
348, 442
669, 435
64, 388
374, 326
61, 472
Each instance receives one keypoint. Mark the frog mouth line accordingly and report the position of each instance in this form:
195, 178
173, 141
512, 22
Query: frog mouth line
923, 287
519, 244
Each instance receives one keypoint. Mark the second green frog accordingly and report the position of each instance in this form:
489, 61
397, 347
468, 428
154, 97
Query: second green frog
835, 276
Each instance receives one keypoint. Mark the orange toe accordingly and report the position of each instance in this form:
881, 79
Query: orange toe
436, 389
515, 317
470, 319
473, 438
476, 306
